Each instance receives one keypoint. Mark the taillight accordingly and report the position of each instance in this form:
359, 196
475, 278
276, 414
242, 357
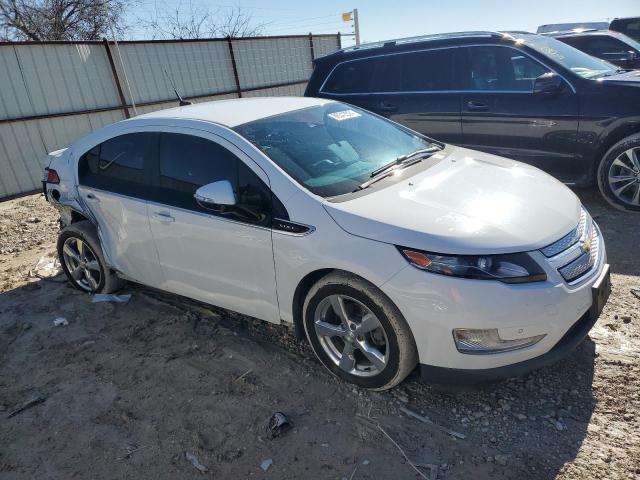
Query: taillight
52, 176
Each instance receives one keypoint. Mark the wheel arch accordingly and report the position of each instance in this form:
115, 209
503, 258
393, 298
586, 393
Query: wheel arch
305, 284
617, 135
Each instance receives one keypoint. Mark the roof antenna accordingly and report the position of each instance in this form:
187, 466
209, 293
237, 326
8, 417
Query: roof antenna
181, 100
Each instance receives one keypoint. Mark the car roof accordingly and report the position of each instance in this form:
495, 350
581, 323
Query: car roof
236, 111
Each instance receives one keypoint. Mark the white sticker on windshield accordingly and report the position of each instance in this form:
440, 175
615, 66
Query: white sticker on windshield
344, 115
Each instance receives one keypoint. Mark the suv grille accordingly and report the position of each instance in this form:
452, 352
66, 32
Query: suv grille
581, 246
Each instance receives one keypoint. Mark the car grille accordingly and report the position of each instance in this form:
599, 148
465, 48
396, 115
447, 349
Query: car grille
569, 239
581, 246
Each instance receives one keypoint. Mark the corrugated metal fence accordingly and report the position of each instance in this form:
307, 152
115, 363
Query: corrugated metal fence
52, 93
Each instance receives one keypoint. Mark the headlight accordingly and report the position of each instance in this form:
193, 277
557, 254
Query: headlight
508, 268
481, 342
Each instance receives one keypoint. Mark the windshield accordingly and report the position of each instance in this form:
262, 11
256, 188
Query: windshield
571, 58
330, 149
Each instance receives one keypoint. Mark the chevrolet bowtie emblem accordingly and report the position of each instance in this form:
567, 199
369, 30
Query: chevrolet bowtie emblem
586, 246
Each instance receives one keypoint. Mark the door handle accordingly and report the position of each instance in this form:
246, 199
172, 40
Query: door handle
163, 217
388, 107
92, 198
474, 106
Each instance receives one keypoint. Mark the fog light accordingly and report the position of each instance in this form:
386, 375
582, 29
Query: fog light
482, 342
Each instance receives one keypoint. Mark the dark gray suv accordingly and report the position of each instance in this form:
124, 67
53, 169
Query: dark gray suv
518, 95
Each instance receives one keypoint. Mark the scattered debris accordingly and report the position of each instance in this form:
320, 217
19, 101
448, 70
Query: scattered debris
47, 268
402, 452
428, 421
131, 450
110, 297
278, 424
635, 292
27, 405
433, 469
195, 462
501, 459
60, 322
266, 463
243, 375
353, 473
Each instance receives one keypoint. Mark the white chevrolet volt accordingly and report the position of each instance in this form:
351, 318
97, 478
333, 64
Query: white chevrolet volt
385, 248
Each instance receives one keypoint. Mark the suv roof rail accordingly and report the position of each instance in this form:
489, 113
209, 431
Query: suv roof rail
573, 31
424, 38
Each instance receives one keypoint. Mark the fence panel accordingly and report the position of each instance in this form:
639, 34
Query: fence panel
52, 93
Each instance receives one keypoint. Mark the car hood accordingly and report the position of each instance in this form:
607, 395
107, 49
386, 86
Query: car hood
468, 202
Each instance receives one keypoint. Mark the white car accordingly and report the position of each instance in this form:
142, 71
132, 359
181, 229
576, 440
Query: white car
386, 249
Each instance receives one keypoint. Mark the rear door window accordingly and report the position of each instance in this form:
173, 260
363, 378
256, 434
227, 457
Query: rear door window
426, 71
117, 165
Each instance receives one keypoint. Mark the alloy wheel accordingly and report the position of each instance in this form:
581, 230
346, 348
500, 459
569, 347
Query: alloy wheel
351, 335
624, 176
82, 264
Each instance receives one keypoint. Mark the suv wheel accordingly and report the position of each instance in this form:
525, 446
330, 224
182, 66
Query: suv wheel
82, 259
619, 174
357, 332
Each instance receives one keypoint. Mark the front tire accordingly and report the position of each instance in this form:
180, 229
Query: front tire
357, 333
83, 261
619, 175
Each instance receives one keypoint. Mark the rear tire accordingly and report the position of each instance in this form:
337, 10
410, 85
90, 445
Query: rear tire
619, 175
374, 348
82, 259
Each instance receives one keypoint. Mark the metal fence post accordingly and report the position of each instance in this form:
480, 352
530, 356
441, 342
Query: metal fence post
123, 102
313, 56
235, 67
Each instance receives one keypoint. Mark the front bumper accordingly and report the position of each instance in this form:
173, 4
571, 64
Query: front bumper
574, 336
434, 305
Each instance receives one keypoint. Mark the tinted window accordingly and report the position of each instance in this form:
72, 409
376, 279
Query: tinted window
499, 68
355, 76
607, 48
185, 163
117, 165
424, 71
330, 149
630, 27
570, 58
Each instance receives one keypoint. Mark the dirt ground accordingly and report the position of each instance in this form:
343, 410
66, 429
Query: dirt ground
136, 390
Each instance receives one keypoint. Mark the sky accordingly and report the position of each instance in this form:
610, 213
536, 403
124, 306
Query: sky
384, 19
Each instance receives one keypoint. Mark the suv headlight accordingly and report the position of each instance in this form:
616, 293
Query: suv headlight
508, 268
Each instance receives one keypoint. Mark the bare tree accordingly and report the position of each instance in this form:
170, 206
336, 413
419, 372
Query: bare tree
193, 23
60, 19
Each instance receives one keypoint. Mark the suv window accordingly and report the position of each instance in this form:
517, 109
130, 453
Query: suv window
117, 165
601, 46
355, 76
425, 71
501, 68
186, 162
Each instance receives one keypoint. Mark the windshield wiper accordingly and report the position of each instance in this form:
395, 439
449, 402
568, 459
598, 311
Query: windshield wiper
401, 159
405, 160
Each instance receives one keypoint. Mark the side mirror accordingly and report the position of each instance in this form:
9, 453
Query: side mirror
548, 84
215, 194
